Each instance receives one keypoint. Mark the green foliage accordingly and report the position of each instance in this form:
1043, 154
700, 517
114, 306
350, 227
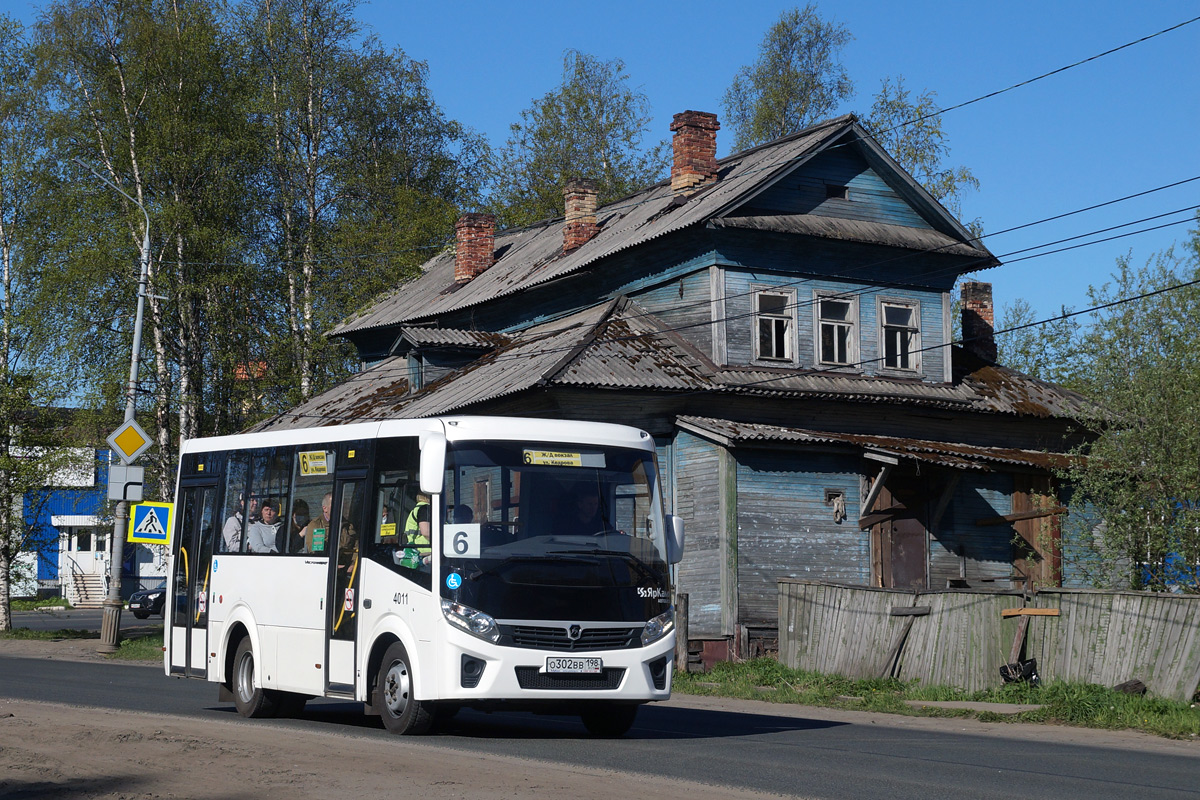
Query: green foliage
28, 634
33, 605
291, 169
1080, 704
1046, 351
910, 129
590, 126
797, 79
1142, 475
140, 648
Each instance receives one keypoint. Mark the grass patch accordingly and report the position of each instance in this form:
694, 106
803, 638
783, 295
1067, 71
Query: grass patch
141, 648
1079, 704
48, 636
34, 605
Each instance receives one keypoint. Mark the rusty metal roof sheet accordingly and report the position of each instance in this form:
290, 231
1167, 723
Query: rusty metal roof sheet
986, 388
621, 346
618, 345
853, 230
534, 255
947, 454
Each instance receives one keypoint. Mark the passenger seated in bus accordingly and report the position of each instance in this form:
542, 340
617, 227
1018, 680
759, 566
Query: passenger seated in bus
231, 532
316, 532
460, 514
291, 536
261, 535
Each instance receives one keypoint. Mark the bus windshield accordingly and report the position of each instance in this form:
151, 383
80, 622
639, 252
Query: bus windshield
546, 531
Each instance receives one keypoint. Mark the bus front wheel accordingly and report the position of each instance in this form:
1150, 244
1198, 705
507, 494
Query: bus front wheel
250, 701
394, 697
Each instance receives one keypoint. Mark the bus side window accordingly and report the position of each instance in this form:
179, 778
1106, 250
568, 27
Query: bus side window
394, 504
312, 483
233, 529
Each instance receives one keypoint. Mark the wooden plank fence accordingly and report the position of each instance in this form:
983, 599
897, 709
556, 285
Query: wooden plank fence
958, 637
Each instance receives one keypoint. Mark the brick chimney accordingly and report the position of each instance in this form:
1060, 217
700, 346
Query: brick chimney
695, 149
978, 320
475, 245
580, 200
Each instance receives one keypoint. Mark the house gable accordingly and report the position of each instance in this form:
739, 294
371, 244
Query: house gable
816, 187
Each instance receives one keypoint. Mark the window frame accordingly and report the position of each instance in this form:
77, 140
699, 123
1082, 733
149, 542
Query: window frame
852, 322
788, 319
914, 348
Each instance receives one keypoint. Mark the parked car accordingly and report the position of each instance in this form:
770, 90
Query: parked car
145, 602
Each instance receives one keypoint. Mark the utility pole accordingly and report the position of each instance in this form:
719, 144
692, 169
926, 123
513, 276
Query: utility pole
110, 625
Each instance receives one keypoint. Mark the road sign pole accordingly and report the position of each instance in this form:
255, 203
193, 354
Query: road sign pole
110, 626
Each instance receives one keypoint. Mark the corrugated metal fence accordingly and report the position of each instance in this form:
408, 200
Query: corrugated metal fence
959, 637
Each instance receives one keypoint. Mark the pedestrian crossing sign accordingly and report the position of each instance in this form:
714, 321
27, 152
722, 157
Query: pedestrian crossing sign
150, 523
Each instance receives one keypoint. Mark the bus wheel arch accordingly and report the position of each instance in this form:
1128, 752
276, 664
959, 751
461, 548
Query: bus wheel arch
236, 634
252, 701
394, 697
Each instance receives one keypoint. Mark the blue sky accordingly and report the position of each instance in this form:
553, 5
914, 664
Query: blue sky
1119, 125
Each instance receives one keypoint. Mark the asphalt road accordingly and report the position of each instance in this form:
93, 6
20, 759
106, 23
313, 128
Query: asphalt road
785, 750
79, 619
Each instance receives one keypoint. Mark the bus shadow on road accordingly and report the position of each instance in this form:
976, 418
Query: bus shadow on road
653, 722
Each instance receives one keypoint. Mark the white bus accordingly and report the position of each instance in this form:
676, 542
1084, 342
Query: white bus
420, 566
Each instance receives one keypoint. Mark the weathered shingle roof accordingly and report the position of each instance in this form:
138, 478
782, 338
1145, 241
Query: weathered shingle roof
534, 255
947, 454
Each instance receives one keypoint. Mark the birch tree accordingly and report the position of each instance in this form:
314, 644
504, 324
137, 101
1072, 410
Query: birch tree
364, 178
592, 125
31, 450
797, 79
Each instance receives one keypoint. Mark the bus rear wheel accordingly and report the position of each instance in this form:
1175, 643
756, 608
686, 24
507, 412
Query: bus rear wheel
609, 721
250, 701
394, 697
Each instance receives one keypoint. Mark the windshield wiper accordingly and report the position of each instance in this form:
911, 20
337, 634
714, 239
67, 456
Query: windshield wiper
555, 556
638, 564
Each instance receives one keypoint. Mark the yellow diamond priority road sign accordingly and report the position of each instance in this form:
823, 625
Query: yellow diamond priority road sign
129, 441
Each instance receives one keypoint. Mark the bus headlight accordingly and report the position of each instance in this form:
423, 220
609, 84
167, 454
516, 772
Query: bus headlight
659, 627
473, 622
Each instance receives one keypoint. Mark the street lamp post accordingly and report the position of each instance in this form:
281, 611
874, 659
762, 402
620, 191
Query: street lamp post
110, 626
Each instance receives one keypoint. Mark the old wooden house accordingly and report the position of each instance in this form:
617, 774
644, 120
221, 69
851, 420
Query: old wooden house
780, 320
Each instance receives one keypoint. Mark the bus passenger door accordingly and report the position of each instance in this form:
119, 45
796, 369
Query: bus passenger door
342, 619
193, 548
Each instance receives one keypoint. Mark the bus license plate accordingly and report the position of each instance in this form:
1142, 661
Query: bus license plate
577, 665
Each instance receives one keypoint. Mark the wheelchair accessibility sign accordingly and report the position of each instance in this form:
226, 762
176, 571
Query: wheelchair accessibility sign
150, 523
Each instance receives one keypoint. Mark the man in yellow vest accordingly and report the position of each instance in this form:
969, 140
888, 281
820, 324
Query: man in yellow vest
417, 529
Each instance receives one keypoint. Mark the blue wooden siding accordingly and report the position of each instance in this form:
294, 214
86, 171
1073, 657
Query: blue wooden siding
785, 530
664, 452
684, 305
870, 198
739, 320
987, 549
697, 485
1084, 565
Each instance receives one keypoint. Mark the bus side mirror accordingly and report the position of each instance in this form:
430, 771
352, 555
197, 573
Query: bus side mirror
433, 462
674, 539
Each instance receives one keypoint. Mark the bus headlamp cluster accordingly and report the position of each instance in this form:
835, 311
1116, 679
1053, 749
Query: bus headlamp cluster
659, 627
473, 622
